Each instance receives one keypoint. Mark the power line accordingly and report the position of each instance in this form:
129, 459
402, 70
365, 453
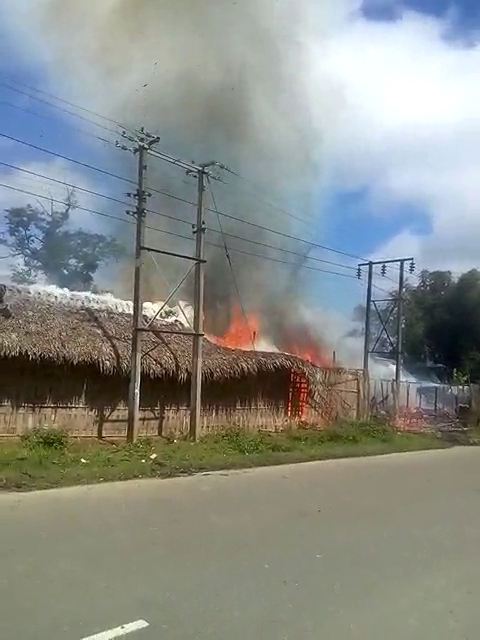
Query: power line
290, 251
292, 264
67, 158
184, 200
52, 119
163, 215
176, 235
174, 218
94, 212
92, 167
89, 191
295, 216
118, 124
63, 182
284, 235
268, 204
70, 104
56, 106
54, 200
91, 211
230, 264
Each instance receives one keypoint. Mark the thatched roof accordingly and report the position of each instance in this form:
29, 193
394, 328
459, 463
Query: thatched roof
44, 330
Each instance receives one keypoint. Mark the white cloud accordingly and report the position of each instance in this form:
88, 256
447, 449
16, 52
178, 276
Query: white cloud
409, 130
403, 120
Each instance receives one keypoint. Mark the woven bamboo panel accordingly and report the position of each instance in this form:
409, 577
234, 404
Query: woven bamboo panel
46, 401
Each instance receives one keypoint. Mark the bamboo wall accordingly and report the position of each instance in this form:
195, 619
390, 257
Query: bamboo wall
170, 422
91, 405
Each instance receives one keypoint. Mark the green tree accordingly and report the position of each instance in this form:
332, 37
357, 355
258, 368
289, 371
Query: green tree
42, 242
427, 312
442, 322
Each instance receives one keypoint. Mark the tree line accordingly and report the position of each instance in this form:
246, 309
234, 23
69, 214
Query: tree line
441, 323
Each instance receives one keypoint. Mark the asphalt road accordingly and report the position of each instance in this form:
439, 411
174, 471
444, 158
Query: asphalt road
372, 549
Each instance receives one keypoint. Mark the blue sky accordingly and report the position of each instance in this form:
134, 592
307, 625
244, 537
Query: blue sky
370, 212
467, 12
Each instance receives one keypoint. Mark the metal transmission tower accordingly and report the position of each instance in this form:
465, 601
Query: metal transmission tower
395, 308
143, 144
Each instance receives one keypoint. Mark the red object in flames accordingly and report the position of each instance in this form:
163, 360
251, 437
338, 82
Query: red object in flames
297, 340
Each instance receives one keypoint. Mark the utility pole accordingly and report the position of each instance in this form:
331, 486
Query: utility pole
396, 306
142, 144
399, 352
368, 317
199, 285
136, 356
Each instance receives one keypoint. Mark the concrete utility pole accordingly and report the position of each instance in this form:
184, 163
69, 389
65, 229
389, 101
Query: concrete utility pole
368, 317
136, 357
142, 144
399, 352
197, 352
396, 304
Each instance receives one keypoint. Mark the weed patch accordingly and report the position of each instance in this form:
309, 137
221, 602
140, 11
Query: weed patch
48, 458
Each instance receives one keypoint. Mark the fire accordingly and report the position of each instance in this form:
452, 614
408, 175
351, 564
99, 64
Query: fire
244, 331
303, 343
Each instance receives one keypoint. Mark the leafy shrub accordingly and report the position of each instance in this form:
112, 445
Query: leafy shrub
375, 429
141, 447
243, 443
280, 446
342, 434
46, 438
357, 430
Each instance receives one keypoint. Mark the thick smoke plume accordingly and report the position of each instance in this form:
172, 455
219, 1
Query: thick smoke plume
232, 81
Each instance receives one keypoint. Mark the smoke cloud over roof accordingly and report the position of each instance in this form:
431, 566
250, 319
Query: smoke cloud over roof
236, 82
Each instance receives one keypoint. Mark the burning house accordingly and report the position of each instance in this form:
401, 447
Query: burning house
65, 361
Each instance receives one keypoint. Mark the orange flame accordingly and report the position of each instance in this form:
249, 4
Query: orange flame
243, 333
305, 344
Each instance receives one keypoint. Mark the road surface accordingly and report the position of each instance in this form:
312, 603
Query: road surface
357, 549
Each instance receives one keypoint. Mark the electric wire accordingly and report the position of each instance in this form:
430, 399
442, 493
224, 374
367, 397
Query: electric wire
230, 264
179, 199
85, 165
170, 217
116, 123
58, 107
52, 119
177, 235
67, 102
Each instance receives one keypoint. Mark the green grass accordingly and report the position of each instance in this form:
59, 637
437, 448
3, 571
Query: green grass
44, 459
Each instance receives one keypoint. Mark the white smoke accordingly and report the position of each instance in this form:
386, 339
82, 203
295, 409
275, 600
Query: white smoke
181, 313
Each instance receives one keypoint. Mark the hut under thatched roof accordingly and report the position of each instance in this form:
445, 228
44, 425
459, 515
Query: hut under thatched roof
71, 353
41, 329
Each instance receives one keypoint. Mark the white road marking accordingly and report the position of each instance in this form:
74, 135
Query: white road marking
124, 630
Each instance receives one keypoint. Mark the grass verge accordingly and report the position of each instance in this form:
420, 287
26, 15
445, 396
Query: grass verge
47, 459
